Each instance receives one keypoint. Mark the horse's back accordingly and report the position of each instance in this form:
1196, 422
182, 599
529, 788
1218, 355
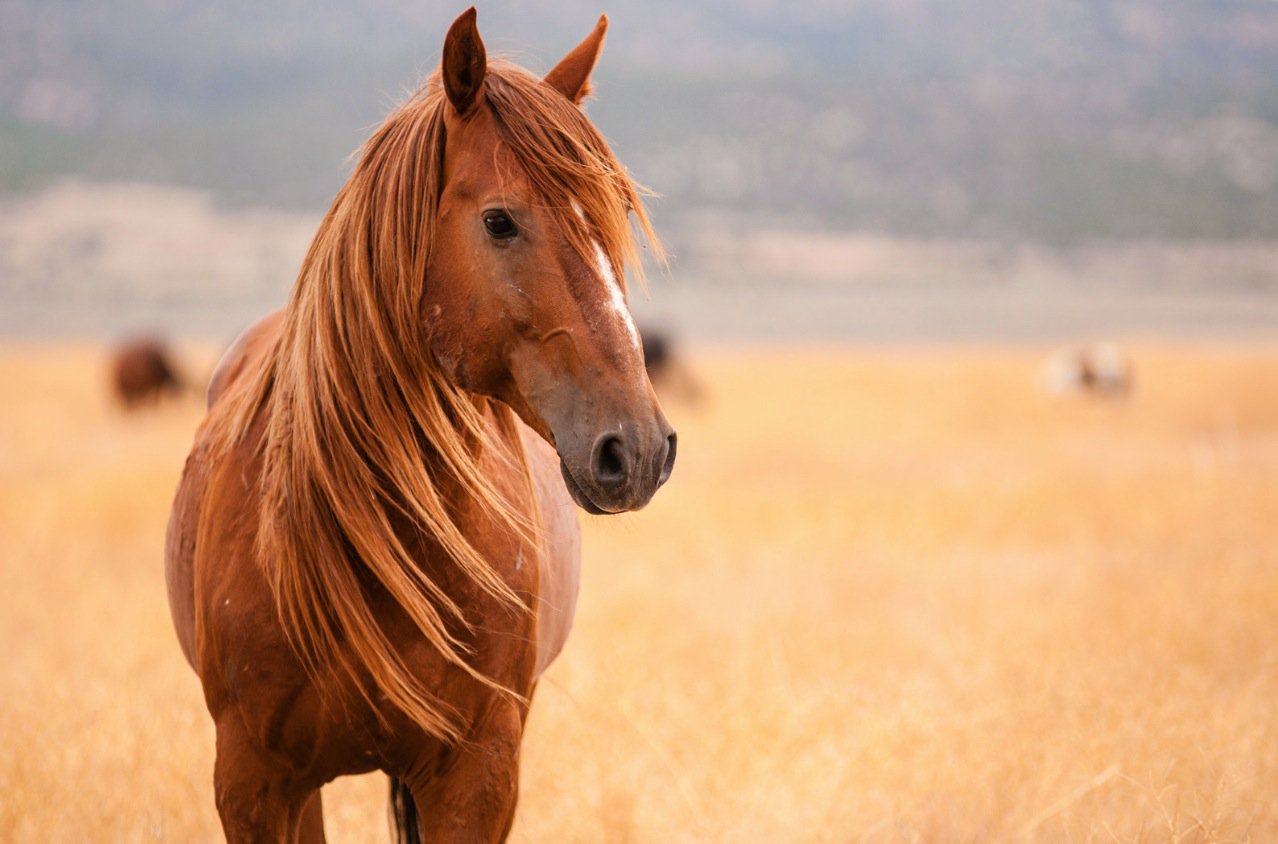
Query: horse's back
251, 343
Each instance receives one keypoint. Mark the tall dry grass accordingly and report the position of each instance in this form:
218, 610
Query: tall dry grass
888, 596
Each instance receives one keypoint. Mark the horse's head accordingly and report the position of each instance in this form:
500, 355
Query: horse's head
524, 298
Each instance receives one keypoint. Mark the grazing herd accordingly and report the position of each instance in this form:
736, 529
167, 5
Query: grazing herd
143, 371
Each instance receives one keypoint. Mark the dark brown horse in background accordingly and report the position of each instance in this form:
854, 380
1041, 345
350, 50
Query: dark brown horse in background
373, 553
142, 372
667, 366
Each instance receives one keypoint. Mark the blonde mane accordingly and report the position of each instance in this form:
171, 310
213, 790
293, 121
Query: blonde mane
364, 433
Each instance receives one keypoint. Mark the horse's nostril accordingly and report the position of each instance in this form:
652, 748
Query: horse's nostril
610, 461
667, 467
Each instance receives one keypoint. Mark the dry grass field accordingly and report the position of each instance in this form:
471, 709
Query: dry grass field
889, 595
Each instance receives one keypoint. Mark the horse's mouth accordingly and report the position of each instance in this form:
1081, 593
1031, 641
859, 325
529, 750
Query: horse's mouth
578, 494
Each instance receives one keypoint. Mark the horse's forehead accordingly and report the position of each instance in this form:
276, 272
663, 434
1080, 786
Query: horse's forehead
476, 157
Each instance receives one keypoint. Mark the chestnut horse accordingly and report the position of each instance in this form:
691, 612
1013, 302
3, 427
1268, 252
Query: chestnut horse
373, 552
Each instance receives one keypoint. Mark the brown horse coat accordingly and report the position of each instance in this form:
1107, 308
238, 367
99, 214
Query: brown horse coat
558, 571
234, 640
373, 551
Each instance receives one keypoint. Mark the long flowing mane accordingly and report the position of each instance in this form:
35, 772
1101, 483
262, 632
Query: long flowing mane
364, 434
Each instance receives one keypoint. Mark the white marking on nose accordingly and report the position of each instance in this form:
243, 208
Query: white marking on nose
615, 298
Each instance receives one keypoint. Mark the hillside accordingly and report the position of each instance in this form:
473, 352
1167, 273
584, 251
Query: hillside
1054, 122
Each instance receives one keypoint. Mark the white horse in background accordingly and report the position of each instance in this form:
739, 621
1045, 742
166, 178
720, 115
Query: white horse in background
1100, 369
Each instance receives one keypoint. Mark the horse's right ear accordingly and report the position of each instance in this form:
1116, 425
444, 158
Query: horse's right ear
465, 62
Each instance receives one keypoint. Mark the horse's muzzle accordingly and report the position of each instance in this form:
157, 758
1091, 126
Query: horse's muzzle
623, 470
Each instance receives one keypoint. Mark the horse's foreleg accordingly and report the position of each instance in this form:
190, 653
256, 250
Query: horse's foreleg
259, 800
472, 796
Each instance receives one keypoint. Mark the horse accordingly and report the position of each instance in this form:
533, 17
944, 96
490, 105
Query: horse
667, 368
373, 551
142, 372
1098, 369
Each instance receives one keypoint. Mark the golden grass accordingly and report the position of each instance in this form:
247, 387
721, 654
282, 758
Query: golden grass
890, 595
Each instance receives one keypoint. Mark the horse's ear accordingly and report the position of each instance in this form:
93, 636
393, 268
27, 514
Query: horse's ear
571, 77
465, 62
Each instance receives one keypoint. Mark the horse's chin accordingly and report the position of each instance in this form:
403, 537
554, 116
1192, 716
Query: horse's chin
579, 495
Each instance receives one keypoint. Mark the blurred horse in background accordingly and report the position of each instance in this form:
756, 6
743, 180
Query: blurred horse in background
373, 553
142, 372
667, 366
1098, 369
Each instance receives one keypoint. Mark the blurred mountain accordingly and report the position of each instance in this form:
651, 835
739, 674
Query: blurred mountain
1009, 118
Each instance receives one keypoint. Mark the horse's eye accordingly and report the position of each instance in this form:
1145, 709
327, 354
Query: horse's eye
499, 225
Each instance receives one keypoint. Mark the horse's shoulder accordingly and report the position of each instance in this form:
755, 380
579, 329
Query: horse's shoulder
251, 342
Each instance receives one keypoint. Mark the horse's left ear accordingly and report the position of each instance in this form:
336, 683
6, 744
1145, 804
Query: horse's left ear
571, 77
465, 62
